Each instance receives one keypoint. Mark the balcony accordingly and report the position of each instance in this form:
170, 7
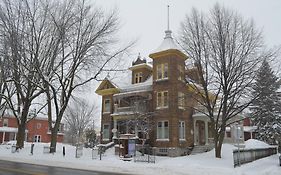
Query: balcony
135, 109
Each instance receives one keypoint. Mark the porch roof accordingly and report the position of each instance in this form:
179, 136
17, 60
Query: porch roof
10, 129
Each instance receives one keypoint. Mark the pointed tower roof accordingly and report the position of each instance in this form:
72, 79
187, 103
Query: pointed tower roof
167, 45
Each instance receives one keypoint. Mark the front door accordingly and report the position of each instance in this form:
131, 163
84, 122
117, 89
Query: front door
200, 126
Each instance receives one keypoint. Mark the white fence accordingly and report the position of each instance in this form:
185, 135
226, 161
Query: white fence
243, 156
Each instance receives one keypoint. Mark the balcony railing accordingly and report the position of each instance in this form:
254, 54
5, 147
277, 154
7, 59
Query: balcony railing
130, 109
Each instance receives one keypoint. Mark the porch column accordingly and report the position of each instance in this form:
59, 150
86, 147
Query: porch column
194, 132
15, 136
136, 131
3, 139
115, 129
206, 133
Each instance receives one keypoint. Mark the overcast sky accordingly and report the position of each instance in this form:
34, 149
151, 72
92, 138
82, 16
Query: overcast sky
146, 20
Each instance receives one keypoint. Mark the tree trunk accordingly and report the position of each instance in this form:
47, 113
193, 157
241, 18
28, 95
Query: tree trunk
21, 136
218, 144
54, 133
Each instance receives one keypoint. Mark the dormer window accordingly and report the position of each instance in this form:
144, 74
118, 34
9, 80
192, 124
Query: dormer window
138, 77
162, 71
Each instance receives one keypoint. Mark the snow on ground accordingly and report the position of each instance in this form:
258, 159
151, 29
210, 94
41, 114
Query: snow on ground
200, 164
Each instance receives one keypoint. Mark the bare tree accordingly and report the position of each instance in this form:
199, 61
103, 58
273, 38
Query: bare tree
226, 50
79, 117
22, 28
83, 45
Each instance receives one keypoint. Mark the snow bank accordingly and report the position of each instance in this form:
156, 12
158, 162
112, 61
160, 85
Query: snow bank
252, 143
200, 164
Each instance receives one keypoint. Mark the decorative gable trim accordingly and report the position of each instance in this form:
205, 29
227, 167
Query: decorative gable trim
107, 88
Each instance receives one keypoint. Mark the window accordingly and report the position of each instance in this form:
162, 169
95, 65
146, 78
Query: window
37, 138
228, 134
162, 71
38, 125
106, 105
138, 77
163, 130
181, 130
105, 132
181, 100
162, 99
181, 73
5, 122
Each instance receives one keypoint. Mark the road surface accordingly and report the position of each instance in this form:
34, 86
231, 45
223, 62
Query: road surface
15, 168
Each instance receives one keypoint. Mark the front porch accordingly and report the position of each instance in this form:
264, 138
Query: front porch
9, 133
202, 134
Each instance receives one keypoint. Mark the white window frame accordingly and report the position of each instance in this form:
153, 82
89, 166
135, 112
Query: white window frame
181, 100
5, 122
181, 73
161, 99
162, 131
104, 132
162, 71
182, 131
138, 77
37, 138
106, 109
38, 126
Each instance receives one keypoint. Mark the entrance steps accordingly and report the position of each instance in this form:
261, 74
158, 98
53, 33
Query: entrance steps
201, 149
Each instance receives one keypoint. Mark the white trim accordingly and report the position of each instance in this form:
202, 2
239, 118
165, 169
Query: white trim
10, 129
162, 140
162, 107
164, 79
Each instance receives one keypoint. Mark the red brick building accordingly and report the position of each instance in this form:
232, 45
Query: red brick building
160, 89
37, 130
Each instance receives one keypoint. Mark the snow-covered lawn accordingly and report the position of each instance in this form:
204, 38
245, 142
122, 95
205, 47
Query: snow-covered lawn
201, 164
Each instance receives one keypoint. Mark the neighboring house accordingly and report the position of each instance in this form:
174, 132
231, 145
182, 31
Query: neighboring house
37, 130
249, 129
159, 93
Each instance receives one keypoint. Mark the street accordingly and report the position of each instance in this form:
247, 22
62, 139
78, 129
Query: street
15, 168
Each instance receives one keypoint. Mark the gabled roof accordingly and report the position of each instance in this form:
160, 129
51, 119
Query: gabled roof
107, 87
123, 84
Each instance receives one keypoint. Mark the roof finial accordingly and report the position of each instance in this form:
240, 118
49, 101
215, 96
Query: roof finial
168, 27
168, 32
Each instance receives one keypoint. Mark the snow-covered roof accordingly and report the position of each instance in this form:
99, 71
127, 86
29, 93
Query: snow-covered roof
249, 128
141, 65
124, 83
10, 129
168, 43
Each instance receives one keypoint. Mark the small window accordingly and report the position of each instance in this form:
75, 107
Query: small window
38, 125
106, 132
162, 99
37, 138
163, 130
162, 71
228, 134
181, 130
5, 122
138, 77
106, 105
